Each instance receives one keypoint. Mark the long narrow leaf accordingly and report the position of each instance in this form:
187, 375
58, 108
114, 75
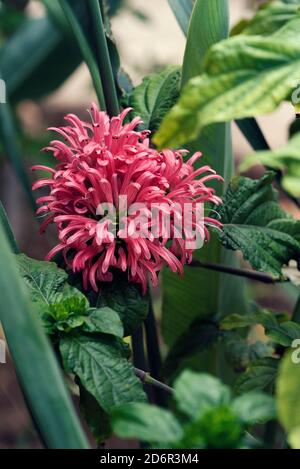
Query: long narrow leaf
9, 139
37, 368
253, 133
182, 10
4, 222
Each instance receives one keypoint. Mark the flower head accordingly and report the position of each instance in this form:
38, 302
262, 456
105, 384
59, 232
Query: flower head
103, 192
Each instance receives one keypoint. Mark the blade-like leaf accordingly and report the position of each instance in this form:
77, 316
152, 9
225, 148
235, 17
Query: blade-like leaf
37, 369
4, 222
182, 10
254, 223
102, 369
202, 293
147, 423
243, 76
252, 132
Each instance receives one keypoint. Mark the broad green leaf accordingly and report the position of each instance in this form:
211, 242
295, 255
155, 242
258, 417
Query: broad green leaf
102, 369
97, 420
285, 159
196, 393
259, 376
254, 223
47, 286
240, 353
270, 17
254, 407
288, 398
104, 320
243, 76
182, 11
147, 423
127, 300
155, 96
38, 371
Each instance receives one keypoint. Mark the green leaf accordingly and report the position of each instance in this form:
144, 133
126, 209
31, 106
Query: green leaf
182, 11
196, 393
102, 369
201, 293
285, 159
97, 420
243, 76
48, 289
260, 376
104, 320
35, 50
155, 96
5, 223
252, 132
147, 423
38, 371
126, 299
240, 353
254, 407
254, 223
288, 398
12, 151
208, 25
270, 17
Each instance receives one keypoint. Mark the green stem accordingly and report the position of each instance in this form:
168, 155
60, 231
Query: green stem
147, 379
85, 51
103, 58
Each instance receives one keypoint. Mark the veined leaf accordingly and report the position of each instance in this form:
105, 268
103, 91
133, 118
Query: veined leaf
285, 159
103, 370
147, 423
104, 320
254, 223
155, 96
281, 333
270, 17
259, 376
46, 283
243, 76
127, 300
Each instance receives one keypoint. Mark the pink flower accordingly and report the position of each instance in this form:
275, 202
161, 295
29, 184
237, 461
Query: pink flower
101, 197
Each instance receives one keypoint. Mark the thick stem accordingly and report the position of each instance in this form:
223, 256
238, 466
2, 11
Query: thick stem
251, 274
138, 350
296, 312
153, 353
147, 379
103, 59
85, 51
